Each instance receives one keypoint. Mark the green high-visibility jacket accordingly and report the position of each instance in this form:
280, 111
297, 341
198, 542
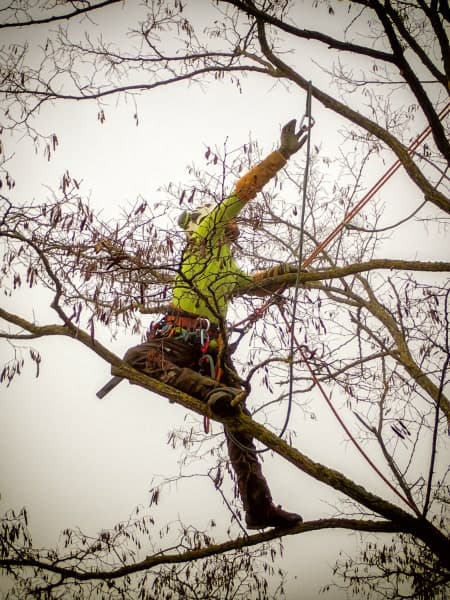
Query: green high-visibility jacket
208, 273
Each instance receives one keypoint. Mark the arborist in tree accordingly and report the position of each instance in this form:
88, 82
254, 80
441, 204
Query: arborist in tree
187, 349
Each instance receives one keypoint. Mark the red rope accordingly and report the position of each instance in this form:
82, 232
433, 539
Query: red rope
347, 431
343, 425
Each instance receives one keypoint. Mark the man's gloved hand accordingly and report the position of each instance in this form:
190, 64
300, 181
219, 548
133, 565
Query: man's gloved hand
291, 141
282, 269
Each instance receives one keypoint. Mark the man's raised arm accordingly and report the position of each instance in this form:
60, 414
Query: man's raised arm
252, 182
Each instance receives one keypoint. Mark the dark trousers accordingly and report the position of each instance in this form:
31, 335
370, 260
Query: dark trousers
177, 363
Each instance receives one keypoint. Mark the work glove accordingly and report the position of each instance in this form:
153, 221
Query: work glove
291, 141
282, 269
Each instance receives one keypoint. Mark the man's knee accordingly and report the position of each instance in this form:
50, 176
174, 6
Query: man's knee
135, 357
143, 357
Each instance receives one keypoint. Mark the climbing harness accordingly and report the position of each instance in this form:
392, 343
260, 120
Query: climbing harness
197, 331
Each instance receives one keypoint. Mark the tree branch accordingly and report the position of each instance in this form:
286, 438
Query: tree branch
75, 13
200, 553
384, 12
138, 87
308, 34
289, 279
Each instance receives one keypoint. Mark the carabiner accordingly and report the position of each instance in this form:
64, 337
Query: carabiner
204, 337
305, 128
201, 321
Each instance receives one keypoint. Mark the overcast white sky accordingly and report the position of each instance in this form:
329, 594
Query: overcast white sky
76, 461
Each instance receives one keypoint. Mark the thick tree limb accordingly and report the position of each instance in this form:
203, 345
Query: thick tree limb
200, 553
395, 57
289, 279
385, 13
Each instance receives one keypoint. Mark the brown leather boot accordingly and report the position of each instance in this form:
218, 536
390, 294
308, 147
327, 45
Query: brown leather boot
271, 516
260, 511
220, 400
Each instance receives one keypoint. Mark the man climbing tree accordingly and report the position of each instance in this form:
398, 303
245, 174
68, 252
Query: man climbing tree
188, 348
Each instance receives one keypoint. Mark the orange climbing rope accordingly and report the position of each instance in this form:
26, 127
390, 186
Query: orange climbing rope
370, 194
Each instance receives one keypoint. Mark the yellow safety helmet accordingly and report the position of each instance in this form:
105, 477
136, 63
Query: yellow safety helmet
188, 220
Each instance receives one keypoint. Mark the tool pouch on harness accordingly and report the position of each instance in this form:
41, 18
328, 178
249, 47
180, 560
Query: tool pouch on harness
197, 332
